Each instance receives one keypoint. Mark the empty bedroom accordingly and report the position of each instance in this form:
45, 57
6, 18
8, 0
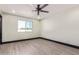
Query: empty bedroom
39, 29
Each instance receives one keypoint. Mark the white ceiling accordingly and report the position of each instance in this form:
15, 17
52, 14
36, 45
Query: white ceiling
27, 9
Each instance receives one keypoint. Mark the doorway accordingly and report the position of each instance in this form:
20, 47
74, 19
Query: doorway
0, 29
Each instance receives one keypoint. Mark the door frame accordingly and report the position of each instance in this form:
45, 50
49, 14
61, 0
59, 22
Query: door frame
1, 29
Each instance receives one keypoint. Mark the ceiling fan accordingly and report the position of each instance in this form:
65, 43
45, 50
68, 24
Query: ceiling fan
40, 9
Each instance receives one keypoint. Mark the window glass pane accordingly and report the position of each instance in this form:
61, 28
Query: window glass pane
21, 25
29, 24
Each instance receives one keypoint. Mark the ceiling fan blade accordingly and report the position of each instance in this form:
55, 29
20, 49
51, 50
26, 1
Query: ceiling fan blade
44, 11
38, 9
44, 6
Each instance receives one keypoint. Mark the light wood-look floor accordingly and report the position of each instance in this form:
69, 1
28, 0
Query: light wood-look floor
37, 47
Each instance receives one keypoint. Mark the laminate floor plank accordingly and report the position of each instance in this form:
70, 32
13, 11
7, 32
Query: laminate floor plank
37, 47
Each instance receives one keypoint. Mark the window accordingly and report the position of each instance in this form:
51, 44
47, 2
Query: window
24, 25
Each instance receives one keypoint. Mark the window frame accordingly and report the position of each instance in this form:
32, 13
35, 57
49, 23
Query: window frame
26, 20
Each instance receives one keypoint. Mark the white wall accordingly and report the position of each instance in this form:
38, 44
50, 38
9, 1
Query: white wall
10, 33
62, 26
